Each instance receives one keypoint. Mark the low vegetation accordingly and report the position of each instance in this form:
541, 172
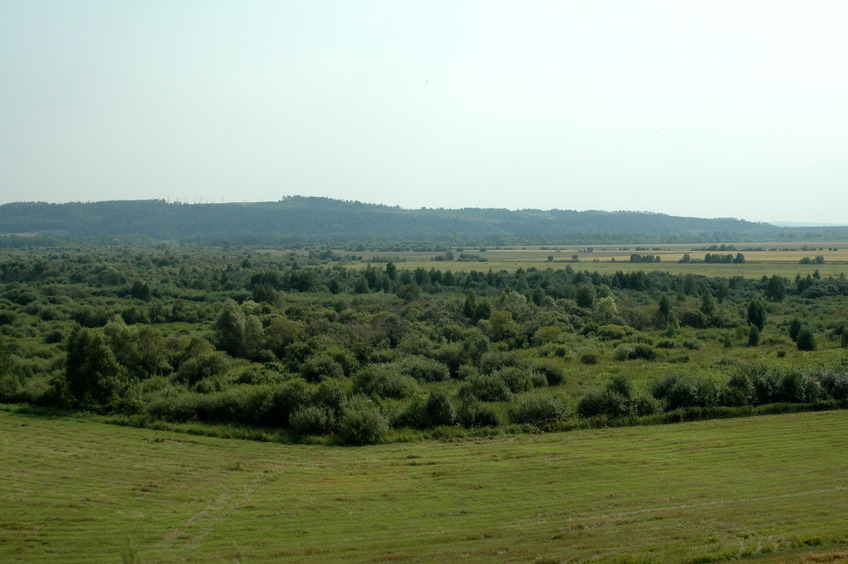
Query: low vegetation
305, 348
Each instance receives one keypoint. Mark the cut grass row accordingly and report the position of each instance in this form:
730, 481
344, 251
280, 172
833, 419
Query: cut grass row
77, 490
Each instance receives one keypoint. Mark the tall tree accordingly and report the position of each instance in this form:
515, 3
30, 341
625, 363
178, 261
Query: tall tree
757, 314
92, 374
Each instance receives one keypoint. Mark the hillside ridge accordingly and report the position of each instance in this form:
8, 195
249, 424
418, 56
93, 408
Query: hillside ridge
318, 219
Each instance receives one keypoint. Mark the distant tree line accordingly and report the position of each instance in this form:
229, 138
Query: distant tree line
304, 219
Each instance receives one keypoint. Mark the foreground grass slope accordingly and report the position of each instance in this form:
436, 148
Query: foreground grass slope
775, 486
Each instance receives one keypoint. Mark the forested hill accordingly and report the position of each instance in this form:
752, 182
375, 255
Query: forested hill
325, 220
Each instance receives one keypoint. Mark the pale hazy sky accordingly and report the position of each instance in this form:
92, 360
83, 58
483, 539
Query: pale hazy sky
708, 109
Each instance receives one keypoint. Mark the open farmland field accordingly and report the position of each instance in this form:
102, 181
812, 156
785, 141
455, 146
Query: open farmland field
76, 490
761, 259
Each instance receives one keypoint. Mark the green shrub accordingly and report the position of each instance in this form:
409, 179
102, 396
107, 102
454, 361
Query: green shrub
206, 365
473, 413
516, 379
538, 380
540, 409
589, 357
616, 400
312, 420
174, 408
613, 332
626, 351
753, 336
835, 383
485, 388
321, 367
554, 375
805, 340
794, 328
425, 369
796, 387
282, 401
492, 361
739, 390
693, 344
620, 385
330, 396
602, 402
645, 405
645, 352
765, 382
384, 380
466, 371
362, 423
439, 409
54, 336
685, 391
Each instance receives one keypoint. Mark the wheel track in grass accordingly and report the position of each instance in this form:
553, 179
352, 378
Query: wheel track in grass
211, 516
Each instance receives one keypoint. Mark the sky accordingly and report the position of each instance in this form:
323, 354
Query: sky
703, 109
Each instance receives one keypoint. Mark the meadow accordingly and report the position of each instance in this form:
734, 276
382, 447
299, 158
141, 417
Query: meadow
767, 488
761, 259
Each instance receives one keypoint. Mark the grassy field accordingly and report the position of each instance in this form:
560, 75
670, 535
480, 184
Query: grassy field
771, 487
762, 259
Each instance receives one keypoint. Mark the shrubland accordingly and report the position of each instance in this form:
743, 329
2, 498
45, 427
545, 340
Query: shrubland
317, 349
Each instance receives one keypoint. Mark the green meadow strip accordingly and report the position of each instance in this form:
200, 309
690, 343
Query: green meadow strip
76, 490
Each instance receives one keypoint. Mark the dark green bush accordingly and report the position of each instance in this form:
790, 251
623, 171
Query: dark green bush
321, 367
753, 336
473, 413
554, 375
207, 365
330, 396
492, 361
765, 382
439, 409
624, 351
281, 401
590, 357
835, 383
384, 380
516, 379
54, 336
602, 402
798, 387
425, 369
693, 344
627, 351
805, 339
538, 380
539, 408
616, 400
685, 391
362, 423
485, 388
312, 420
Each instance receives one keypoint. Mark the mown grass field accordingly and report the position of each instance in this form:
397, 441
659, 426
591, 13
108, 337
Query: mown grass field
771, 487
